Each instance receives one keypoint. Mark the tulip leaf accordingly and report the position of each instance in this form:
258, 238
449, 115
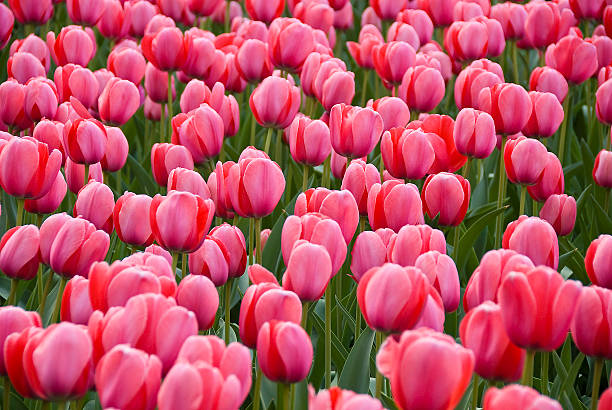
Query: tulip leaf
301, 396
573, 259
272, 251
356, 372
567, 375
604, 221
142, 175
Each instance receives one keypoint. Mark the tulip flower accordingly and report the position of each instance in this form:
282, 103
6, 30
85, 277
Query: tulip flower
399, 360
131, 219
201, 133
446, 195
603, 102
534, 238
275, 115
369, 251
85, 141
181, 179
198, 294
548, 80
407, 153
195, 93
127, 63
253, 61
400, 31
264, 11
420, 78
393, 110
383, 202
595, 261
354, 131
116, 150
72, 45
8, 20
308, 272
497, 358
546, 23
28, 11
442, 274
19, 255
40, 99
573, 57
470, 82
115, 22
212, 260
157, 42
550, 182
14, 114
218, 189
75, 174
22, 66
76, 305
165, 158
474, 133
338, 399
525, 159
247, 324
156, 84
358, 179
50, 202
517, 397
362, 52
560, 212
392, 60
119, 101
309, 141
289, 43
95, 202
496, 100
546, 116
14, 319
591, 336
83, 12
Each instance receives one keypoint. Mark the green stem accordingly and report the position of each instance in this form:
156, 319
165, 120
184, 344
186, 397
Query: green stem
606, 200
379, 376
305, 307
268, 140
253, 122
259, 253
118, 181
456, 235
19, 217
251, 240
597, 368
535, 206
257, 388
39, 282
514, 62
61, 405
466, 168
326, 172
566, 104
7, 393
364, 87
528, 369
501, 193
13, 293
381, 166
328, 337
475, 391
58, 300
283, 396
174, 262
162, 124
43, 301
227, 17
357, 323
228, 296
86, 175
184, 267
305, 178
279, 145
170, 109
523, 198
544, 359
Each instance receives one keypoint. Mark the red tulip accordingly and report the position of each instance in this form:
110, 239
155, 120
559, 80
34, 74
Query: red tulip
446, 195
50, 202
383, 203
354, 131
284, 351
85, 141
289, 43
517, 397
595, 261
203, 8
470, 82
14, 319
496, 100
128, 378
392, 60
573, 57
166, 157
362, 52
166, 48
546, 303
198, 294
76, 305
180, 235
497, 358
399, 360
19, 252
590, 326
604, 102
72, 45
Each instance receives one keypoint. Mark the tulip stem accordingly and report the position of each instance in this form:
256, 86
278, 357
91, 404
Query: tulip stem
456, 235
475, 385
514, 62
305, 178
535, 206
39, 282
305, 307
277, 148
226, 21
328, 337
523, 198
268, 140
251, 240
253, 122
184, 267
501, 193
566, 103
466, 168
162, 125
7, 393
544, 358
258, 254
283, 396
61, 405
326, 172
19, 216
528, 369
169, 105
381, 165
257, 388
86, 177
174, 262
13, 292
364, 87
357, 323
597, 369
43, 300
58, 300
379, 377
228, 297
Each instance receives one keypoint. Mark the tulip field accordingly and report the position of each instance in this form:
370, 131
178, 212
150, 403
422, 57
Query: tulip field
305, 204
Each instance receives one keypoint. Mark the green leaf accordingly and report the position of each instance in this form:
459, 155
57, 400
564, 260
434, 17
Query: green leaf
142, 175
272, 251
568, 376
356, 372
469, 237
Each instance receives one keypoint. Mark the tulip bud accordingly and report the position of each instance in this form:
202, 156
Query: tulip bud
515, 397
446, 195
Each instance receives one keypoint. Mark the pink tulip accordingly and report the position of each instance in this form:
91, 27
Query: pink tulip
416, 80
384, 200
442, 274
14, 319
354, 130
72, 45
601, 169
512, 18
525, 160
232, 239
495, 101
560, 212
573, 57
73, 80
308, 272
309, 141
201, 133
204, 61
399, 360
22, 66
95, 202
50, 202
8, 20
595, 261
14, 114
195, 93
400, 31
470, 82
253, 61
362, 52
264, 11
166, 48
338, 399
534, 238
393, 110
280, 114
76, 305
446, 195
392, 60
40, 99
156, 84
474, 133
284, 351
546, 116
546, 23
28, 11
127, 63
19, 252
83, 12
289, 43
412, 241
198, 294
85, 141
119, 101
369, 251
588, 9
166, 157
548, 80
75, 174
116, 150
386, 9
604, 102
592, 337
358, 179
180, 235
515, 397
550, 182
116, 21
407, 153
181, 179
547, 302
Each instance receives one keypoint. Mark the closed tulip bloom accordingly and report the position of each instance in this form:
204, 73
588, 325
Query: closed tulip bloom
362, 52
284, 351
232, 239
399, 360
338, 399
50, 202
85, 141
399, 31
369, 251
354, 131
8, 20
247, 324
525, 160
546, 116
227, 107
289, 43
277, 305
116, 150
442, 274
253, 61
201, 133
573, 57
14, 114
470, 82
603, 102
76, 305
255, 186
415, 81
156, 84
358, 179
165, 48
50, 133
387, 10
286, 98
548, 80
182, 388
127, 63
219, 191
496, 100
590, 326
338, 88
559, 210
14, 319
547, 303
392, 297
22, 66
392, 60
588, 8
128, 378
83, 12
550, 182
534, 238
48, 231
203, 8
15, 345
115, 22
195, 93
140, 14
474, 133
166, 157
602, 170
407, 153
72, 45
412, 241
595, 261
446, 195
19, 252
308, 272
393, 110
317, 14
119, 101
512, 18
383, 203
496, 357
198, 294
180, 235
77, 245
517, 397
488, 276
264, 11
28, 11
309, 141
75, 174
40, 99
95, 202
181, 179
546, 23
